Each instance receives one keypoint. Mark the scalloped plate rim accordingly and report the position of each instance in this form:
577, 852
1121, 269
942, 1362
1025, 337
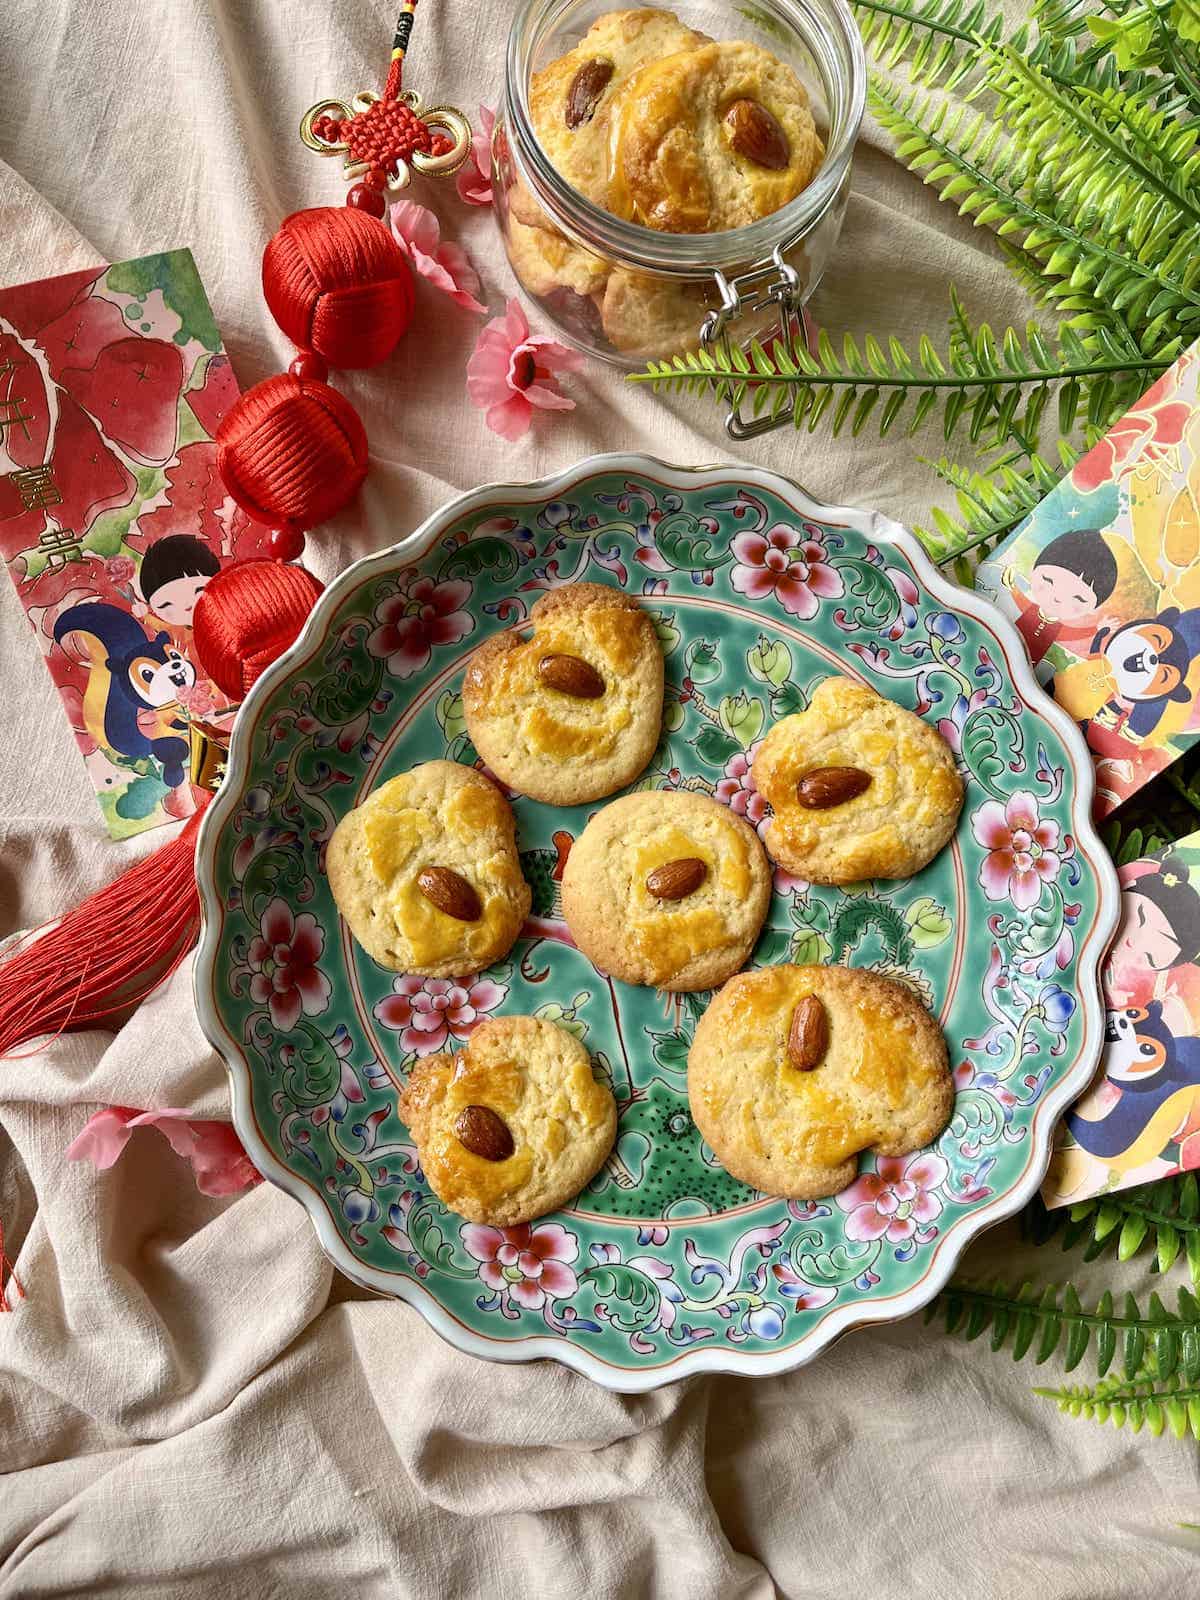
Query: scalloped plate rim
880, 529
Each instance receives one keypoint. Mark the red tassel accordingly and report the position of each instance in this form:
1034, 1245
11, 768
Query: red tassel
108, 953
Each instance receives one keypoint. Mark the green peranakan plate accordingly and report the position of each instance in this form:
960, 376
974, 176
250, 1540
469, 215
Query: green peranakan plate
665, 1265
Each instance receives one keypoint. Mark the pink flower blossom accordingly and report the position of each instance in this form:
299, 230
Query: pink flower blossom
1022, 850
219, 1164
474, 180
787, 563
512, 372
120, 569
410, 624
282, 959
736, 790
428, 1012
419, 234
198, 698
524, 1264
895, 1198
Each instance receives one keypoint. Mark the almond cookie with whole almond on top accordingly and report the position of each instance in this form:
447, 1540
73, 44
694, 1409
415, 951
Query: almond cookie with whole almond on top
426, 872
859, 787
574, 711
666, 888
794, 1071
512, 1126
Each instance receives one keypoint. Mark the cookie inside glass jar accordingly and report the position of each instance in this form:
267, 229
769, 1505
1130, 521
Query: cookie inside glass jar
656, 124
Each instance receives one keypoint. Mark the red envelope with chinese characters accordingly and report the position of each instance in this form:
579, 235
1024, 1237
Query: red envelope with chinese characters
1140, 1120
112, 516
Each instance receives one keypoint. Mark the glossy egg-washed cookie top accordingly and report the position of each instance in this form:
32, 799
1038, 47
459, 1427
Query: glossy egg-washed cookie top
427, 874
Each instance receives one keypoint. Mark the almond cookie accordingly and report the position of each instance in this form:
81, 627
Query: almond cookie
667, 888
512, 1126
426, 872
572, 99
859, 787
795, 1070
711, 138
652, 317
575, 711
546, 261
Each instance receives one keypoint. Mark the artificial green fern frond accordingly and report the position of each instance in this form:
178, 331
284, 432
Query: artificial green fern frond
1163, 1217
983, 379
990, 505
937, 39
1074, 239
1149, 1402
1037, 1321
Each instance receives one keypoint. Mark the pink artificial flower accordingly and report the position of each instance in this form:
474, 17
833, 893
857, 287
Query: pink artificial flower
512, 371
1022, 849
895, 1198
428, 1012
418, 233
527, 1265
787, 563
282, 959
219, 1163
410, 624
474, 180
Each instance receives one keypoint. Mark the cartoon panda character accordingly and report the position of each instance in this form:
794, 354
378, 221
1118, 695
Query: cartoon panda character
131, 702
1158, 1076
1140, 679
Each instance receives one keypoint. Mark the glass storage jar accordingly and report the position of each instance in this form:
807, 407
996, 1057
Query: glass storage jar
627, 293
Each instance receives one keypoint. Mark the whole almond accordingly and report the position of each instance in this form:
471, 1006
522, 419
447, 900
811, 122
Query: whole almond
808, 1038
831, 786
481, 1131
588, 84
450, 892
754, 133
675, 880
571, 675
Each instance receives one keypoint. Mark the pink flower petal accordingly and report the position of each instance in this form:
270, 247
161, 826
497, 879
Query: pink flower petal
886, 1203
530, 1264
511, 418
926, 1206
865, 1222
551, 1239
548, 398
493, 1275
825, 581
558, 1280
927, 1171
797, 598
749, 548
308, 941
481, 1241
1022, 810
277, 923
285, 1010
864, 1191
1025, 889
990, 826
889, 1169
901, 1228
994, 874
528, 1294
102, 1138
486, 995
1046, 866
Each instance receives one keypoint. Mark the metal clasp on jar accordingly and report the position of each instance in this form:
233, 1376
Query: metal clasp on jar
776, 283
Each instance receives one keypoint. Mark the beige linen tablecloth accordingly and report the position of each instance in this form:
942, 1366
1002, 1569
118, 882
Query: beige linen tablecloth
191, 1403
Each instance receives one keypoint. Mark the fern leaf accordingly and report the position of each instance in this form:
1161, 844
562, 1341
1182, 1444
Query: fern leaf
1163, 1216
1049, 1320
1145, 1401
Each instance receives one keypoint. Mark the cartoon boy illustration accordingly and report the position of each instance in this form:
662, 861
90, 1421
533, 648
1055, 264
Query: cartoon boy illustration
173, 575
1068, 583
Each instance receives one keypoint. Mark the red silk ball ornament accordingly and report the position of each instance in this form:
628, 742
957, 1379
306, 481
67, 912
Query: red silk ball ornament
292, 451
337, 283
246, 617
